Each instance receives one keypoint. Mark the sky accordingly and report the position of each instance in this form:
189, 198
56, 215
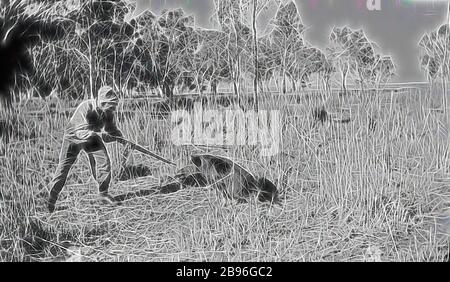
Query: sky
397, 27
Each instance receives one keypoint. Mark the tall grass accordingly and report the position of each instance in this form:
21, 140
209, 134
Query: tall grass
346, 189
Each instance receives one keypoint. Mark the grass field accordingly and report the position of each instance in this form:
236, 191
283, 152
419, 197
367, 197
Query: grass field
372, 189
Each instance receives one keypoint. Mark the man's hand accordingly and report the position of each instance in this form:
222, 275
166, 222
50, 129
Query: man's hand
86, 134
107, 138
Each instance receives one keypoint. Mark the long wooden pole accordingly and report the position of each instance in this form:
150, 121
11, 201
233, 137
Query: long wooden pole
139, 148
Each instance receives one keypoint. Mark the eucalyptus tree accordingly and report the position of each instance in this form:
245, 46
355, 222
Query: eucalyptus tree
307, 61
383, 71
229, 17
286, 33
326, 72
163, 48
21, 28
150, 48
177, 28
267, 65
435, 50
251, 11
209, 60
355, 55
95, 48
204, 57
363, 57
339, 51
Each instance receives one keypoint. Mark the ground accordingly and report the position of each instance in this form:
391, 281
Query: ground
373, 189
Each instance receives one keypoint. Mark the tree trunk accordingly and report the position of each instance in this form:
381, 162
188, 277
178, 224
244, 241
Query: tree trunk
5, 117
234, 77
3, 108
261, 86
92, 82
344, 79
445, 68
235, 88
361, 81
197, 83
255, 50
214, 87
238, 76
444, 96
168, 91
277, 84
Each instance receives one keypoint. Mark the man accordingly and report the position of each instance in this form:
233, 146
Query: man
91, 125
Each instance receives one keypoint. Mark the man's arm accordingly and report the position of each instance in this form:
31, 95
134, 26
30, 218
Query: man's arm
111, 129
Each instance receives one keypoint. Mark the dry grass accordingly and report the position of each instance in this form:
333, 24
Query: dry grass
352, 192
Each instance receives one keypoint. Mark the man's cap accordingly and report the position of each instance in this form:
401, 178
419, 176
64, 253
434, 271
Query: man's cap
107, 94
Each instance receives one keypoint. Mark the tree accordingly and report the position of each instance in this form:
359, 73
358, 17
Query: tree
229, 15
326, 72
150, 48
208, 59
266, 62
286, 33
177, 29
96, 49
19, 31
383, 71
164, 48
363, 57
307, 61
340, 53
101, 48
435, 49
254, 8
355, 55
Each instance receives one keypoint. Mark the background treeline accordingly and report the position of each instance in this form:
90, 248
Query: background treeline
94, 43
